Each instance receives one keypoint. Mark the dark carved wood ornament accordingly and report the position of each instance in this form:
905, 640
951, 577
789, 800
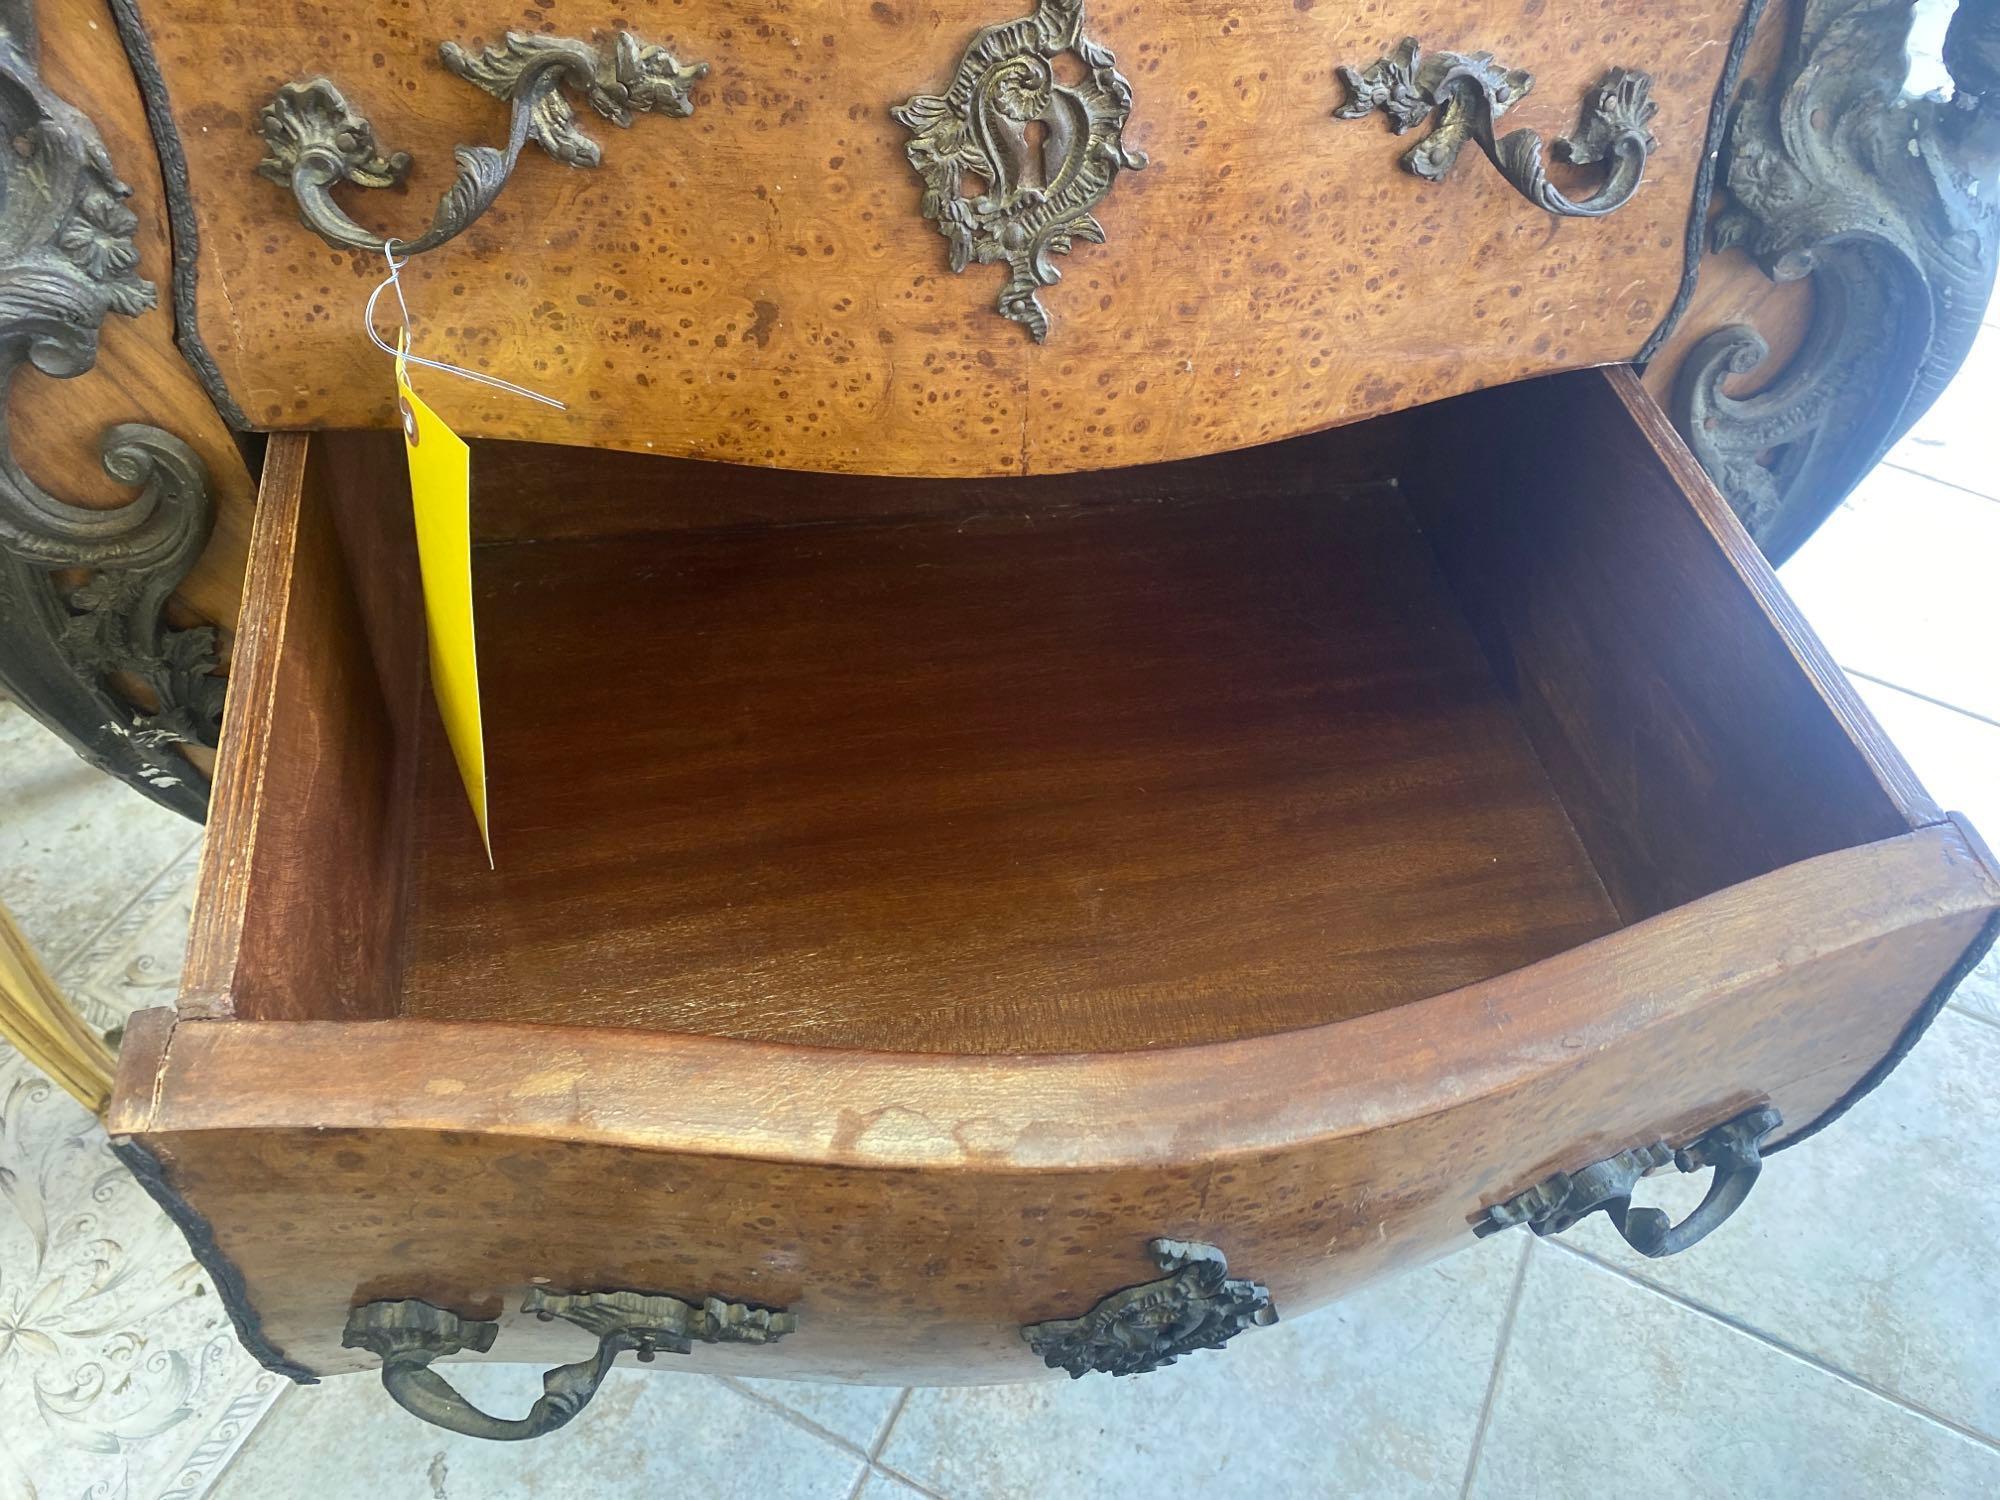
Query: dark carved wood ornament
83, 641
1887, 203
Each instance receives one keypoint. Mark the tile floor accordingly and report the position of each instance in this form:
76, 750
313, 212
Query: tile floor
1836, 1339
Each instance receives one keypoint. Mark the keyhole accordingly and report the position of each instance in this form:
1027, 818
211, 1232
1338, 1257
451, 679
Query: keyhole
1035, 135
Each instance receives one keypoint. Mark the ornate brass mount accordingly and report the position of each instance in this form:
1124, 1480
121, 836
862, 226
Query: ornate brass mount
408, 1335
1467, 92
313, 139
1559, 1201
996, 191
1145, 1327
1887, 204
84, 591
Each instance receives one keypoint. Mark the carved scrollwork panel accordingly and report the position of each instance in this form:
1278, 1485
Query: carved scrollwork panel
1014, 158
1467, 92
1887, 204
83, 590
1196, 1306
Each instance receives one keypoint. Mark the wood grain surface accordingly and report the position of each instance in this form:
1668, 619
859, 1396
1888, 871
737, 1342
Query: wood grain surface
1213, 756
1696, 729
1136, 775
755, 283
914, 1211
298, 902
1004, 698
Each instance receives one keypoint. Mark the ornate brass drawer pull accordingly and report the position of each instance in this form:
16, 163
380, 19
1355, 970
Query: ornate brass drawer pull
1467, 92
1561, 1200
409, 1335
314, 139
1013, 158
1145, 1327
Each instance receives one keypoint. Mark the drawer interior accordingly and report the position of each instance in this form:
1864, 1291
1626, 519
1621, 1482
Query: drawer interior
1091, 763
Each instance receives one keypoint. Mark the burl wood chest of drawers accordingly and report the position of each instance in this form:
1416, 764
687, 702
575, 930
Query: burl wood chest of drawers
1134, 685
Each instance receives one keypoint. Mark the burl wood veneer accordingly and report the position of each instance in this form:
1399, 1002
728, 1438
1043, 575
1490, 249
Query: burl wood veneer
756, 283
913, 899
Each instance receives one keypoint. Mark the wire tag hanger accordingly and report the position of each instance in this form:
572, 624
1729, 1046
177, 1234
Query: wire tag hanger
368, 322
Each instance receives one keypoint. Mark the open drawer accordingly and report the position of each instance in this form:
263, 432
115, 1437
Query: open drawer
924, 910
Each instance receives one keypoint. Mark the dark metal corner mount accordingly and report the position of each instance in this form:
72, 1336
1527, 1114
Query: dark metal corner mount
1195, 1306
315, 140
1468, 91
1562, 1200
1890, 206
83, 591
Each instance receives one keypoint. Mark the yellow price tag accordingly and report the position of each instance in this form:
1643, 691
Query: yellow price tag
441, 490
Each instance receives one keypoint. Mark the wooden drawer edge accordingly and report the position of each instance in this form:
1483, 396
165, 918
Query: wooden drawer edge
1017, 1190
765, 1101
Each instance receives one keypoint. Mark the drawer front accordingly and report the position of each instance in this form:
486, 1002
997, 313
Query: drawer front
758, 282
1791, 910
913, 1217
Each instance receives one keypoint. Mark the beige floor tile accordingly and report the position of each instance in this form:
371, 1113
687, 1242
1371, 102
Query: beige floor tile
75, 846
1957, 440
647, 1434
1869, 1247
880, 1486
856, 1413
119, 1372
1956, 756
1609, 1389
1377, 1396
1980, 994
134, 962
1899, 583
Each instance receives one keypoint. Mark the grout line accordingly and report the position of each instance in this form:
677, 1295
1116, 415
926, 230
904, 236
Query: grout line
1772, 1341
869, 1463
875, 1448
901, 1478
1963, 489
1493, 1378
875, 1464
797, 1419
60, 967
1897, 687
882, 1438
285, 1392
1972, 1015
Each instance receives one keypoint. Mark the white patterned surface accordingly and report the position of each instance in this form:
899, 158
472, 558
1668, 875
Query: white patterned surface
120, 1378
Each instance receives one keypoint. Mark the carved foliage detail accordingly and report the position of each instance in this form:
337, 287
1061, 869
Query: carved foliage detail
635, 77
315, 140
1468, 91
1887, 203
1014, 158
1197, 1306
313, 115
82, 590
